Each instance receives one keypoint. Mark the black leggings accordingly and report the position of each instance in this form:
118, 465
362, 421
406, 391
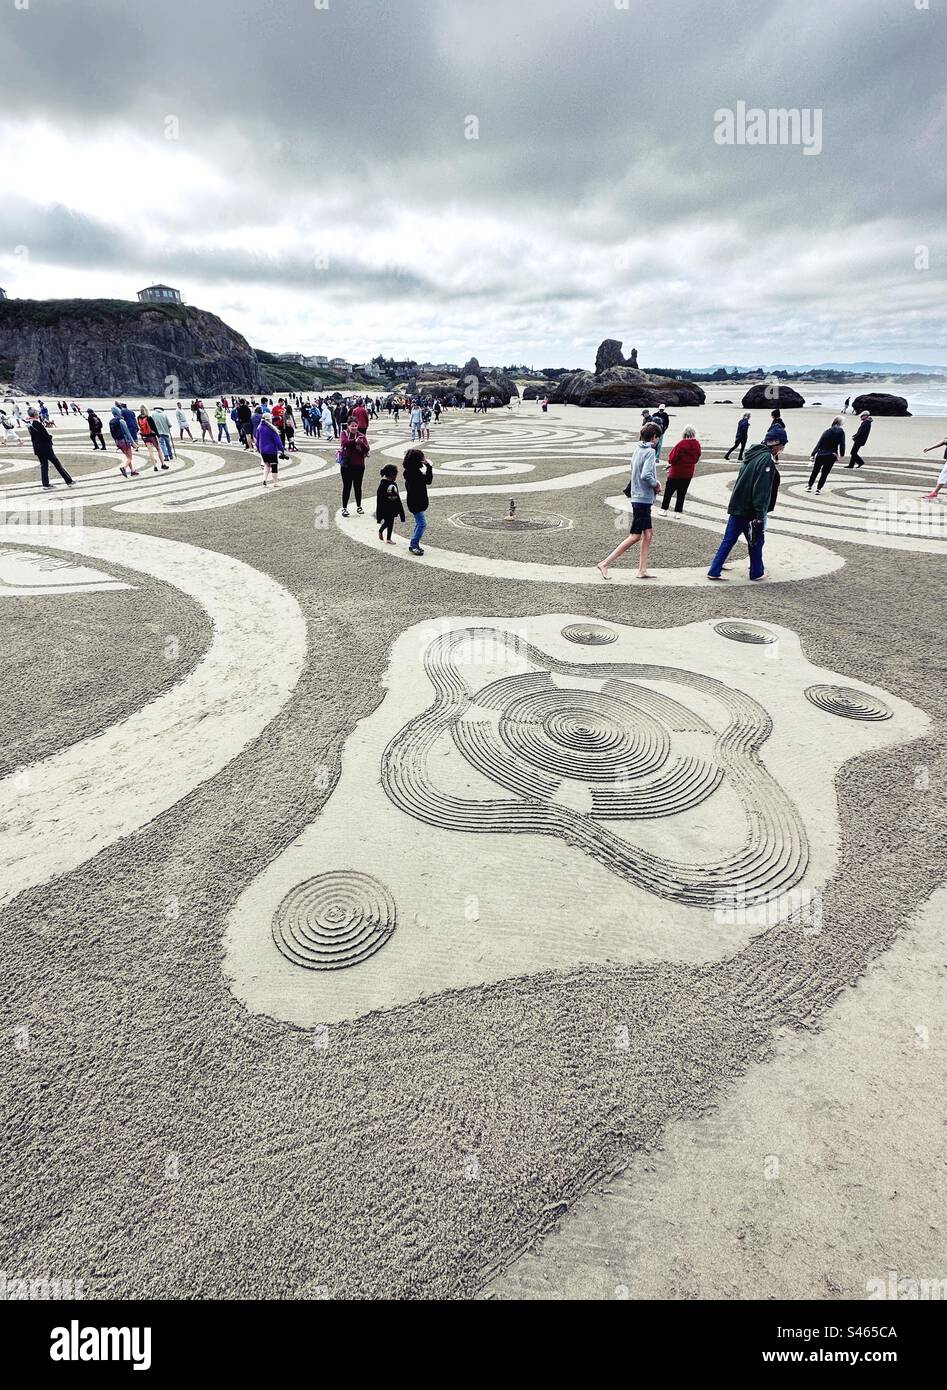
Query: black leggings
352, 478
387, 524
672, 486
822, 466
737, 443
854, 459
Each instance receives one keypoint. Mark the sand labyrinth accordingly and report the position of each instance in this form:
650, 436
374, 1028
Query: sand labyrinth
518, 771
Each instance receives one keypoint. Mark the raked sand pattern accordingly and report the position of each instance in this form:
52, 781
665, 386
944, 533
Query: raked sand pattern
421, 897
672, 789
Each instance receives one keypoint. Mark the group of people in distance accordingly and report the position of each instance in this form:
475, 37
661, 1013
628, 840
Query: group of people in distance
754, 491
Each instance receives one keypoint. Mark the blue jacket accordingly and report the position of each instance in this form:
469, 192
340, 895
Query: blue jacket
776, 434
131, 420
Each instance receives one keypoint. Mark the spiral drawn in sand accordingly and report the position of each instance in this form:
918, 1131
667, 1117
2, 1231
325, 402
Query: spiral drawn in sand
334, 920
496, 521
589, 634
754, 633
630, 751
847, 702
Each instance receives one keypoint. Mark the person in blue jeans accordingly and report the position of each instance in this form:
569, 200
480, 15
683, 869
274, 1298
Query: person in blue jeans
417, 473
752, 499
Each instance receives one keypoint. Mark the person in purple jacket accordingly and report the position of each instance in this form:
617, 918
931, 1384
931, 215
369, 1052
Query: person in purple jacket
269, 444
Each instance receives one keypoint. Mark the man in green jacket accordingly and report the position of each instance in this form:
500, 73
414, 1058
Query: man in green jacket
752, 498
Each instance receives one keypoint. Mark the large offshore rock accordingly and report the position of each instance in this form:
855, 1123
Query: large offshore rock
474, 384
625, 386
880, 403
768, 395
105, 347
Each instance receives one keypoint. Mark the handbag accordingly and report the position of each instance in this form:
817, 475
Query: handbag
627, 489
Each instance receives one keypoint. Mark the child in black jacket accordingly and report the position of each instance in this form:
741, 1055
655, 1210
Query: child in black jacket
388, 502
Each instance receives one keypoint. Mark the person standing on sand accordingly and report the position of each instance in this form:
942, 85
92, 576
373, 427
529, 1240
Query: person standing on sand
776, 434
682, 462
360, 415
183, 426
123, 443
826, 454
149, 437
269, 443
203, 419
353, 451
131, 421
42, 442
942, 477
388, 508
848, 401
164, 432
859, 440
220, 419
742, 435
418, 473
752, 499
642, 488
661, 418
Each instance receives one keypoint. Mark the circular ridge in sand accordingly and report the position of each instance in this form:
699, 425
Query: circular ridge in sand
589, 634
334, 920
746, 632
847, 702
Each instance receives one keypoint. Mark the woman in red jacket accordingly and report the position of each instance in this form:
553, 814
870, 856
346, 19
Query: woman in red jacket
682, 460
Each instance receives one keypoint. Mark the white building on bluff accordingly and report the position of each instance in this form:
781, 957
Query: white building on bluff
159, 294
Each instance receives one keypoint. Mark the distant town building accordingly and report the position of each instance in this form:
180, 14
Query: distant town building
339, 364
447, 367
298, 357
159, 294
317, 362
370, 369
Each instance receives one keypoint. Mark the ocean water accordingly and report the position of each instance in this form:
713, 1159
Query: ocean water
922, 400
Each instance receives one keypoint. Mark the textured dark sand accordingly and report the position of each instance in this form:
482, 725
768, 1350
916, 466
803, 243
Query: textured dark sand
346, 1169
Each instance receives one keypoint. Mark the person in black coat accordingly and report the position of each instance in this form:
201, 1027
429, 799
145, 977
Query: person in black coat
825, 455
742, 435
388, 508
95, 429
417, 474
43, 449
859, 439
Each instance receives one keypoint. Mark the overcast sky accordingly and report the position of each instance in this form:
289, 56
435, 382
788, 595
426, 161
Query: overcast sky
305, 173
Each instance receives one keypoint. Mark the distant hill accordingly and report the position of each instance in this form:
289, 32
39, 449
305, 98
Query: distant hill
104, 347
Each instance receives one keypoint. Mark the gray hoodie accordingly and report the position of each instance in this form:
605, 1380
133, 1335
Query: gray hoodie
644, 478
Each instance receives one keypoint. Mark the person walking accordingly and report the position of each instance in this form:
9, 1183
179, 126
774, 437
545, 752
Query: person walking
220, 420
388, 508
360, 415
131, 421
269, 444
95, 429
416, 420
848, 401
245, 423
642, 488
203, 419
752, 499
10, 435
682, 461
148, 431
183, 427
124, 443
826, 454
942, 478
353, 451
163, 426
417, 475
42, 442
776, 434
859, 440
742, 435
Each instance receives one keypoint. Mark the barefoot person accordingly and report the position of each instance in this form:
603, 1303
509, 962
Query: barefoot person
942, 477
642, 489
752, 499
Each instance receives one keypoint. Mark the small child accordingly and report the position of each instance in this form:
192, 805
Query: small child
388, 503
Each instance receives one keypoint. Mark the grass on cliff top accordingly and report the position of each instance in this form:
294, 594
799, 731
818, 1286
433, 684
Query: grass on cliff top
42, 313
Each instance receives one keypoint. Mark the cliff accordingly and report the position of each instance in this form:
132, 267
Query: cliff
104, 347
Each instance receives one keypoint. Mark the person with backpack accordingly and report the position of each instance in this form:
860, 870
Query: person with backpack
42, 442
826, 454
859, 440
417, 475
95, 429
353, 451
124, 443
752, 498
742, 435
388, 508
148, 431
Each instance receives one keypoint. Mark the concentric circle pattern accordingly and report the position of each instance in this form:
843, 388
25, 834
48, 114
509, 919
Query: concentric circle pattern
847, 702
754, 633
589, 634
583, 736
334, 921
498, 521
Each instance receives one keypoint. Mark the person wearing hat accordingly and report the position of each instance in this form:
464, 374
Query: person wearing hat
42, 442
860, 438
